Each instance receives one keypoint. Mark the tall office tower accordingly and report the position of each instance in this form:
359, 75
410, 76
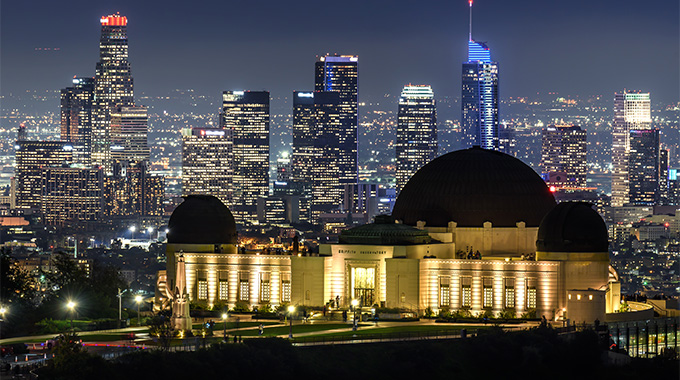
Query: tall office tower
479, 96
22, 132
632, 111
76, 118
112, 87
129, 131
663, 177
132, 191
506, 139
72, 196
563, 156
31, 158
340, 74
206, 163
316, 158
416, 142
643, 167
245, 114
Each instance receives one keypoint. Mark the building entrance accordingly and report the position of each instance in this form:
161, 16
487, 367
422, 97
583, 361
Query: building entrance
363, 285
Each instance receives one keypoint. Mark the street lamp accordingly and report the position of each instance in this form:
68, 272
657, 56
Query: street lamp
224, 325
138, 299
132, 232
71, 306
291, 310
3, 310
355, 303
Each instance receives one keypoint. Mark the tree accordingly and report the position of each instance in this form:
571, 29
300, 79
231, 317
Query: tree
160, 326
15, 283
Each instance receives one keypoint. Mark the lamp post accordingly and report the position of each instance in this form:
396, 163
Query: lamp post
224, 325
120, 306
138, 299
355, 303
3, 310
132, 232
291, 310
71, 305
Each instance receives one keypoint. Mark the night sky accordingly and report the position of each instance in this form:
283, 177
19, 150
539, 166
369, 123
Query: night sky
573, 47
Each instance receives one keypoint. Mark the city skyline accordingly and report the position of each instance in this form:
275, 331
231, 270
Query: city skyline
35, 59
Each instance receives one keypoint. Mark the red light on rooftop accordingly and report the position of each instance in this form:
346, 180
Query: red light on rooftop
114, 20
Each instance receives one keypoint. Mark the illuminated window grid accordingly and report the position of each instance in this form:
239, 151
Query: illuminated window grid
265, 287
224, 290
487, 293
202, 289
285, 288
244, 290
466, 292
531, 297
444, 292
509, 293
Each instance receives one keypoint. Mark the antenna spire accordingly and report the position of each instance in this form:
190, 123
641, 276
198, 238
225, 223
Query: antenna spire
470, 33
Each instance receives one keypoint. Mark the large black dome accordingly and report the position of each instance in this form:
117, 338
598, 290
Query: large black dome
573, 227
473, 186
201, 219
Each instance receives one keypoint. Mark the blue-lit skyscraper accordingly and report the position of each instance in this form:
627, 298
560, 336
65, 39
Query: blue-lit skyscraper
479, 116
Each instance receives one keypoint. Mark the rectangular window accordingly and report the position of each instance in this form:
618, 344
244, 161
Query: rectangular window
285, 287
444, 292
487, 293
509, 293
243, 287
202, 289
466, 292
531, 294
224, 290
265, 289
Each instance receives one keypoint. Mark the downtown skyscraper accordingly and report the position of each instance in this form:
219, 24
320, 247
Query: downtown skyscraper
563, 156
207, 163
113, 86
632, 111
245, 118
416, 142
76, 118
644, 167
339, 73
479, 108
316, 166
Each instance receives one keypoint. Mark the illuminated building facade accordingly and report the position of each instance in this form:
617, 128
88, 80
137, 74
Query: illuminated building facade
206, 163
132, 191
643, 167
31, 158
129, 131
416, 142
339, 73
76, 118
245, 115
563, 156
479, 96
632, 111
73, 196
453, 249
316, 165
113, 86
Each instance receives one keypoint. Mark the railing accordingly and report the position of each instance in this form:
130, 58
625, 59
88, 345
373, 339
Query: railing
361, 337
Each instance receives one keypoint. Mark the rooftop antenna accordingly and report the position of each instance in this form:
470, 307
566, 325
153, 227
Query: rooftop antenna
470, 33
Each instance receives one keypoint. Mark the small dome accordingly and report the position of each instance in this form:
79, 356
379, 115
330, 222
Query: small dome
201, 219
384, 232
473, 186
572, 227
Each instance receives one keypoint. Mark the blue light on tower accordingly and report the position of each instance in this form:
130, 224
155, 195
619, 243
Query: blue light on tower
478, 51
479, 111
